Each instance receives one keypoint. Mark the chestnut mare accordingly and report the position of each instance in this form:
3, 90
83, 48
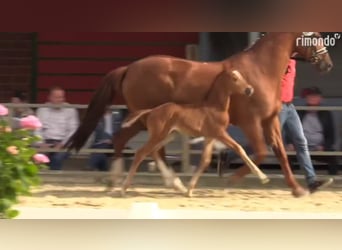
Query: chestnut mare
155, 80
209, 119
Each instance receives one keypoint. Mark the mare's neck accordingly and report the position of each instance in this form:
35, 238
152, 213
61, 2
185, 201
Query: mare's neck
272, 53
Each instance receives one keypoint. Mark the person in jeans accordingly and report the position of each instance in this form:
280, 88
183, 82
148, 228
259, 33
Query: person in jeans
319, 129
292, 126
58, 124
102, 139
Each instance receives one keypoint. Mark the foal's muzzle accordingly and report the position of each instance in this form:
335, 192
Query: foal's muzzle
249, 91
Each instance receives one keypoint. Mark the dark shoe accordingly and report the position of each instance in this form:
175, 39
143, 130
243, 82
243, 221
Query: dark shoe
317, 185
222, 163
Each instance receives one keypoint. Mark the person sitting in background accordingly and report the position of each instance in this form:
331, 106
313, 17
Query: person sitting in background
58, 124
319, 129
103, 135
20, 97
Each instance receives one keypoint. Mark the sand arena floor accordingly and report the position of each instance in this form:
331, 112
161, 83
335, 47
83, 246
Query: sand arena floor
91, 196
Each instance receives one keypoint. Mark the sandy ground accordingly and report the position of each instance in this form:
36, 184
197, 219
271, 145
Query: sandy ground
85, 196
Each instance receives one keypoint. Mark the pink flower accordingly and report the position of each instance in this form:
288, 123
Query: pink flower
8, 130
41, 158
13, 150
30, 122
3, 110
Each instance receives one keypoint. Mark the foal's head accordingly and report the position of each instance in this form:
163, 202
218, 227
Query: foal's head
238, 84
310, 45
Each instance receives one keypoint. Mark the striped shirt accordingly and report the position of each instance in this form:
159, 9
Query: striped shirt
57, 124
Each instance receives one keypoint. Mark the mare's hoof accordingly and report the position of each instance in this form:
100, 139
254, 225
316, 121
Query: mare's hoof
299, 192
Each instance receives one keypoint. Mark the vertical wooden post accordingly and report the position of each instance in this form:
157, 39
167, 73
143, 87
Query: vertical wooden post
191, 51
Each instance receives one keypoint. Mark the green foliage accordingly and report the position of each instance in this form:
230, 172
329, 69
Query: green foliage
18, 171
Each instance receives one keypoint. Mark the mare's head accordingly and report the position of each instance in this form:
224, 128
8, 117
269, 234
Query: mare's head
310, 45
238, 84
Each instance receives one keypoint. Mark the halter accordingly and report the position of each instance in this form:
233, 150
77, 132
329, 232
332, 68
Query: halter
314, 59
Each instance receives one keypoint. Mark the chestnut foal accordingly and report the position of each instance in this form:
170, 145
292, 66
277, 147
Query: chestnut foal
209, 119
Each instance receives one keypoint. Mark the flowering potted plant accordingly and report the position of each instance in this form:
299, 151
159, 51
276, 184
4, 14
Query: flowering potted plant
19, 162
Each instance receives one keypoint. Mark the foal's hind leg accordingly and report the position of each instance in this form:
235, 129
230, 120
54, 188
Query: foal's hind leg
230, 142
205, 161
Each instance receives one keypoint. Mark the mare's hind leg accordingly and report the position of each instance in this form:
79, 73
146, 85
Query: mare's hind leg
273, 136
151, 146
256, 139
231, 143
205, 161
120, 139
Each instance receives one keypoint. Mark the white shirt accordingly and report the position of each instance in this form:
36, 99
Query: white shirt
57, 124
108, 123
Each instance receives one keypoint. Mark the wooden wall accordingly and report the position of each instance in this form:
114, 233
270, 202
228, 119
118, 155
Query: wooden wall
78, 61
15, 63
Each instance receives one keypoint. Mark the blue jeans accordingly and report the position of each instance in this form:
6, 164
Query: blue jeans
57, 159
292, 126
99, 161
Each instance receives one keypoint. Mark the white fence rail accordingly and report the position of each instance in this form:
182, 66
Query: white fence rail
185, 151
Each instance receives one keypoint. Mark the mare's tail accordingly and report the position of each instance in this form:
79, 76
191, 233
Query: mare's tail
97, 107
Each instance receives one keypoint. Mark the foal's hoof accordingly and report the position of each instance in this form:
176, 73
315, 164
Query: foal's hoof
109, 191
189, 193
178, 186
123, 192
299, 192
265, 180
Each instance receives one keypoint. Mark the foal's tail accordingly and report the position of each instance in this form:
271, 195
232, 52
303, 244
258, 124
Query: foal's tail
102, 98
133, 117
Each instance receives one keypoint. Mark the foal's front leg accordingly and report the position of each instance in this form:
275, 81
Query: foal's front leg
230, 142
205, 161
169, 176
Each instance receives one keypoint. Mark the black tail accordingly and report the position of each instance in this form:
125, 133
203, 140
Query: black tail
96, 109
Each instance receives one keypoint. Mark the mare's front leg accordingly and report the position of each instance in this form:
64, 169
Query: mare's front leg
273, 135
205, 161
